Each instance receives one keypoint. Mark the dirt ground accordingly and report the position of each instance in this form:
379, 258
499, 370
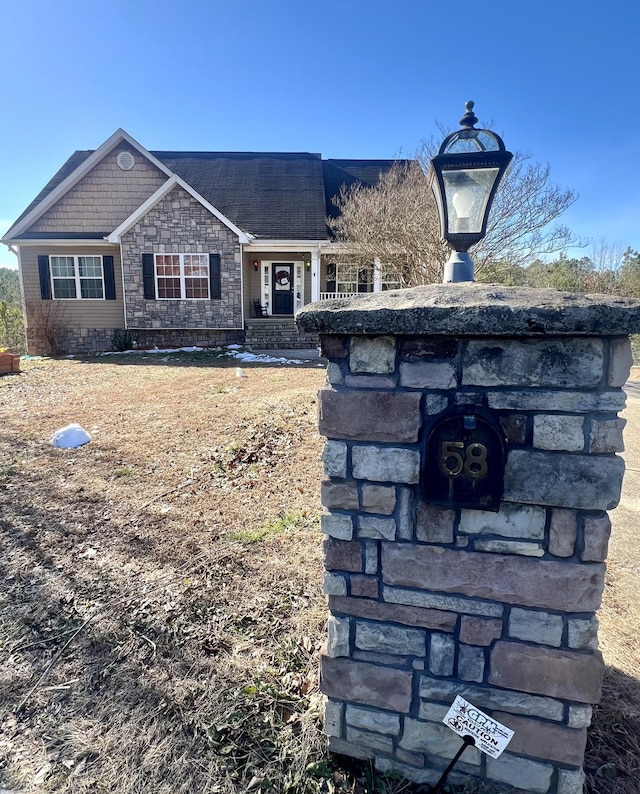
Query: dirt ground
161, 605
161, 611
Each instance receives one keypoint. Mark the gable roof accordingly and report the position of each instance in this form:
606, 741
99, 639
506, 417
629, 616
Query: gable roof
160, 193
267, 195
68, 176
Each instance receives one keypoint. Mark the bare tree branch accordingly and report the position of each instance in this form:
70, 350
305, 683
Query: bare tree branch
396, 220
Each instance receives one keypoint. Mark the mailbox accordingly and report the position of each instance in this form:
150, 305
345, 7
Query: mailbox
464, 461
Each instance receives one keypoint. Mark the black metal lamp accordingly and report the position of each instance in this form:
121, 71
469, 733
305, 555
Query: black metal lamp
464, 177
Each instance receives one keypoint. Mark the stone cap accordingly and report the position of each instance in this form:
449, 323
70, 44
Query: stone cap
473, 310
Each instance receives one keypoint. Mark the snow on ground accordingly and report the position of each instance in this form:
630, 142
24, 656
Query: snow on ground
262, 358
232, 351
70, 437
152, 350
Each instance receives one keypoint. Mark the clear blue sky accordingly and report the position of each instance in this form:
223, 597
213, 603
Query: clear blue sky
347, 78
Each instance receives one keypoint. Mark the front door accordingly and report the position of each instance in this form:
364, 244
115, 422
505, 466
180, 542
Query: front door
282, 286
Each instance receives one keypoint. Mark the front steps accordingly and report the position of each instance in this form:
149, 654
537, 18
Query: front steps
273, 333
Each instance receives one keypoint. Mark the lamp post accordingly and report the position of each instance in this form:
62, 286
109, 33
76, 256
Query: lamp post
464, 177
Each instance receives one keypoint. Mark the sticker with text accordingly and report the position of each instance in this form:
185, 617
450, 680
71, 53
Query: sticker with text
466, 720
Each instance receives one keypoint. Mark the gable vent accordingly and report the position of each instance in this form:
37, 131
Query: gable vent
125, 161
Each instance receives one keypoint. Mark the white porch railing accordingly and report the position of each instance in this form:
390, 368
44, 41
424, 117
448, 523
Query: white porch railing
327, 296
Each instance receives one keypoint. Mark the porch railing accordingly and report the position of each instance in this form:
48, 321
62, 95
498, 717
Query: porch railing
327, 296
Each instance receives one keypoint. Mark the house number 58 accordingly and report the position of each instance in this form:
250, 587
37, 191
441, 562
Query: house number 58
455, 458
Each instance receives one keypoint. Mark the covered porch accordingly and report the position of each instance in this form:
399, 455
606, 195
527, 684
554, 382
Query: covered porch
278, 282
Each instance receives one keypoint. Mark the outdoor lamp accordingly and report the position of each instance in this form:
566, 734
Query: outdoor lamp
464, 177
256, 265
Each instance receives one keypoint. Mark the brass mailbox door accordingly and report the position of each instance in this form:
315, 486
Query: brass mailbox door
464, 462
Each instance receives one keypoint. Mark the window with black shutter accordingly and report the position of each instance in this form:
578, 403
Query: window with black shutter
45, 277
215, 279
148, 277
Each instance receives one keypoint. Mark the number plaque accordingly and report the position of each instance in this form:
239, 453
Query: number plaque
464, 463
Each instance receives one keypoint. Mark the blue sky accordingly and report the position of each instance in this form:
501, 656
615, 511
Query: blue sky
348, 78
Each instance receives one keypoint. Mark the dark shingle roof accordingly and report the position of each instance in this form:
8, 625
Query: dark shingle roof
76, 159
349, 172
271, 195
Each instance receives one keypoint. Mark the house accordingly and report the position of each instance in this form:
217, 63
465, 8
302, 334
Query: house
182, 248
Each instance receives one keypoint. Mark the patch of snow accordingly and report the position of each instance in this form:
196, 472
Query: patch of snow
153, 350
233, 351
70, 437
264, 359
173, 350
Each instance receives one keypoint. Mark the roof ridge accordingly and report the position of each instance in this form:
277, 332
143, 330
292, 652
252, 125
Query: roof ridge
186, 153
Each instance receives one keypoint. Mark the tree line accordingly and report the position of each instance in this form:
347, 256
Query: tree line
11, 323
617, 274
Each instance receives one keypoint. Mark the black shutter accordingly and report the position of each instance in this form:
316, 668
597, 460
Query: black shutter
215, 284
109, 278
148, 277
45, 278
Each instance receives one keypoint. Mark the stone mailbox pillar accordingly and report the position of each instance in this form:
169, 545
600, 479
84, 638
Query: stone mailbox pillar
471, 459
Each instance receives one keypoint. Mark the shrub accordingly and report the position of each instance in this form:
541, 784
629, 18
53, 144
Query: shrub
47, 326
12, 328
122, 340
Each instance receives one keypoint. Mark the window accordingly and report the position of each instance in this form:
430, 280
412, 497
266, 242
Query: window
76, 277
345, 279
390, 279
184, 276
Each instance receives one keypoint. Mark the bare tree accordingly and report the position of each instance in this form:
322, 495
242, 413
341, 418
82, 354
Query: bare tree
396, 221
46, 325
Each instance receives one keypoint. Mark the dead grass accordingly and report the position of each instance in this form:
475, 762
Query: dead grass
161, 613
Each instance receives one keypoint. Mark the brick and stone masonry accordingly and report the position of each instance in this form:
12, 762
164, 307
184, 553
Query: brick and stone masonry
429, 601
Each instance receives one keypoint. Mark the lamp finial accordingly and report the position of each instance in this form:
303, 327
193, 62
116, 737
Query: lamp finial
469, 118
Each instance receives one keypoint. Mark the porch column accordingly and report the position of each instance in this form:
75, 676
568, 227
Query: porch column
377, 275
315, 276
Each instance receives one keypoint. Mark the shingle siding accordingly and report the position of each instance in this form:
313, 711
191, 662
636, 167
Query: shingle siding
103, 198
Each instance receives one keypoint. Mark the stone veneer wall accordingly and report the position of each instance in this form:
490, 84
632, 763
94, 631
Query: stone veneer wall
499, 607
186, 338
180, 224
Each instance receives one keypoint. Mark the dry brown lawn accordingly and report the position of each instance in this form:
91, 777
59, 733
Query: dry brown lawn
161, 611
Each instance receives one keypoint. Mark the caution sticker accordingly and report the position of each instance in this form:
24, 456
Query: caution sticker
466, 720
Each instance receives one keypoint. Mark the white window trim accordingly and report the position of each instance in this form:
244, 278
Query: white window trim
345, 273
183, 279
76, 275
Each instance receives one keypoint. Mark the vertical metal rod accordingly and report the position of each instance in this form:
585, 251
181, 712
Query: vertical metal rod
466, 742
